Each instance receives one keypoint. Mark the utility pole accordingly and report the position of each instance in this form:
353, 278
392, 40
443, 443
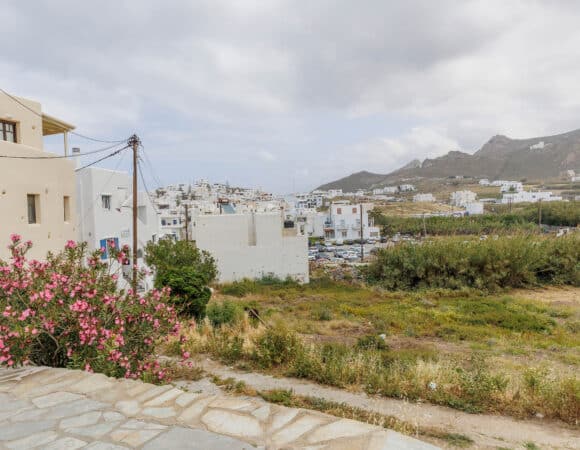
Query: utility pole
134, 142
424, 226
186, 206
540, 213
362, 245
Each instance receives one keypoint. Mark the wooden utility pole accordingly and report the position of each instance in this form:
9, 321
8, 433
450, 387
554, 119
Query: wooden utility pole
186, 206
362, 245
134, 142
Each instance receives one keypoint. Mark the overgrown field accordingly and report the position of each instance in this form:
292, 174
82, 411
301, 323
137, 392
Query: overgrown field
503, 220
508, 261
460, 348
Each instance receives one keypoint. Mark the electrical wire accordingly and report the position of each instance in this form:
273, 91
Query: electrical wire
116, 152
156, 179
99, 192
71, 132
146, 188
74, 155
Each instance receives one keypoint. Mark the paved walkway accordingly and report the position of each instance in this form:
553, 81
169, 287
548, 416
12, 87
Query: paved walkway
65, 409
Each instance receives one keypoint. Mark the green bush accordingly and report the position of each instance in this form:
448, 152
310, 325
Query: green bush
509, 261
189, 291
277, 345
186, 270
226, 312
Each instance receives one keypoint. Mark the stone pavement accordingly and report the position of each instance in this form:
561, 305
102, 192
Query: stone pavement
69, 409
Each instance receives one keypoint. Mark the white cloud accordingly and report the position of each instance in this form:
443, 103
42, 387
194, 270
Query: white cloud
329, 83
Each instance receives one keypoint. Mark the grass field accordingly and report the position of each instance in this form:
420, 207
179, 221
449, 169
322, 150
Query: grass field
510, 353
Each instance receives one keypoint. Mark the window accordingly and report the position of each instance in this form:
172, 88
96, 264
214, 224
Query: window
338, 210
343, 234
7, 131
106, 201
33, 201
107, 244
66, 208
354, 210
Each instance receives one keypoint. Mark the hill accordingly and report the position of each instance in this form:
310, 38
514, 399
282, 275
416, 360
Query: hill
501, 157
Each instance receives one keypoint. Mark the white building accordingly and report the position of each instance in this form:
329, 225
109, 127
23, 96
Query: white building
171, 223
386, 190
529, 197
309, 201
332, 193
484, 182
474, 208
406, 188
252, 245
344, 222
511, 186
462, 198
105, 214
423, 198
311, 223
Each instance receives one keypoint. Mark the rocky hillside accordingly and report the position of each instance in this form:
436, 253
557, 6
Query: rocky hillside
500, 158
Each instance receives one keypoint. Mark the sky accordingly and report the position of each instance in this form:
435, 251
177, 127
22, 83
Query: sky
289, 94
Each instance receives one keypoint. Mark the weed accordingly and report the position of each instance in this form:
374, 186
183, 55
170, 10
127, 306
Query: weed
226, 312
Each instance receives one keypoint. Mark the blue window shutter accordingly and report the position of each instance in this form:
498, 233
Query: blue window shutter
104, 245
117, 243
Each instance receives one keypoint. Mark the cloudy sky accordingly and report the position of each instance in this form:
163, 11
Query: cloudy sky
288, 94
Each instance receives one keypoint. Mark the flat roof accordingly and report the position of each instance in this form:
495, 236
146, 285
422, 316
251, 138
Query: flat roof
52, 125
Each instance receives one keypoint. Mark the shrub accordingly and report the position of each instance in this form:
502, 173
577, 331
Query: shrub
509, 261
65, 313
371, 341
167, 253
227, 312
186, 270
189, 291
323, 314
277, 345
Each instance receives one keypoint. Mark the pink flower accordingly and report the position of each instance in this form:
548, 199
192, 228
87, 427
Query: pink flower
15, 237
71, 244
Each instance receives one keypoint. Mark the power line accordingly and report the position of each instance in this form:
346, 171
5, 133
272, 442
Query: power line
156, 179
116, 152
71, 132
119, 162
147, 189
74, 155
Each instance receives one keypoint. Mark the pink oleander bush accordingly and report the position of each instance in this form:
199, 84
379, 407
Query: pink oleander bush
67, 312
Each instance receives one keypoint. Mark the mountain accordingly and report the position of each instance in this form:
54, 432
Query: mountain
354, 182
500, 158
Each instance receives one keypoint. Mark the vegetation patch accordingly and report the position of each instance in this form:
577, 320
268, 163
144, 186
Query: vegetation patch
492, 264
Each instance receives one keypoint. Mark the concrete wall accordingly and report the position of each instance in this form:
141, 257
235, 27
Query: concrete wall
251, 246
51, 179
28, 124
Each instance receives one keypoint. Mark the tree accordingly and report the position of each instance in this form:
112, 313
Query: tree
186, 270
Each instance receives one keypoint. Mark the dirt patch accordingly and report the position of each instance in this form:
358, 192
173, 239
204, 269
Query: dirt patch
558, 296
